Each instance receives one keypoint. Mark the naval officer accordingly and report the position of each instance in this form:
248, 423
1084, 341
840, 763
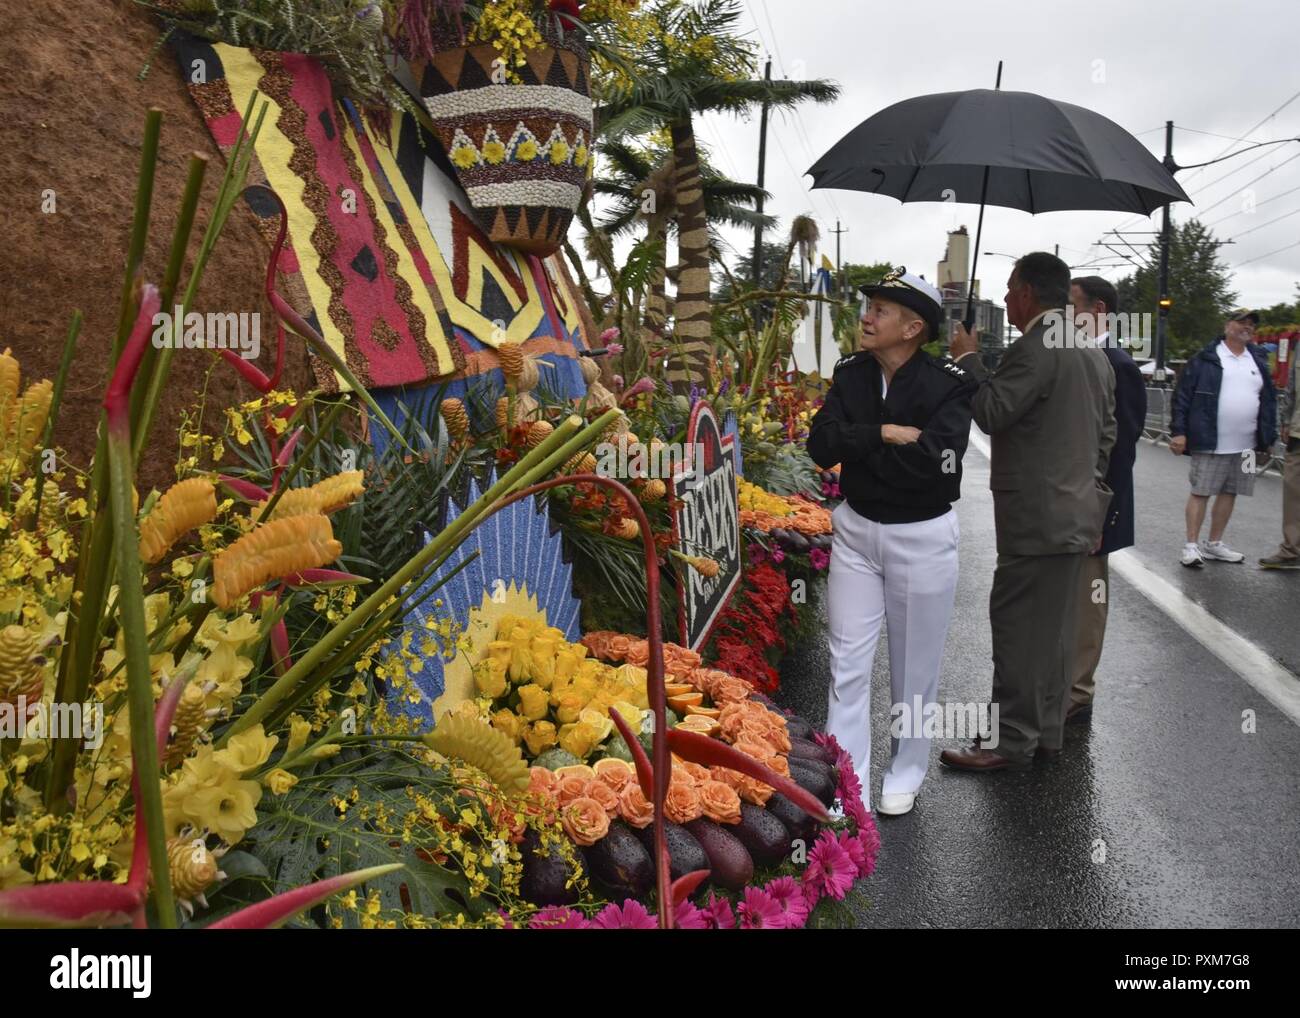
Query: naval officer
897, 421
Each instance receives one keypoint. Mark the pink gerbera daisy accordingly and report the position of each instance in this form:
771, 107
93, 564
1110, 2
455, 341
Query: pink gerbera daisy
787, 893
858, 813
830, 870
849, 787
719, 912
690, 917
869, 837
559, 918
630, 916
758, 910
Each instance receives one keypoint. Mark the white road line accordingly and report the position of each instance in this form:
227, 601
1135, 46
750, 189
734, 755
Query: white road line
1278, 685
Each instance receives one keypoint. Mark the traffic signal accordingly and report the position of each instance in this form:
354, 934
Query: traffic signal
1165, 302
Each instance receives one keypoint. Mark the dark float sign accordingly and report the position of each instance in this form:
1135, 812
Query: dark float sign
706, 522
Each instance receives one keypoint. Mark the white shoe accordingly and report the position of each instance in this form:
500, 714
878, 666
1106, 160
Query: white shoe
1192, 556
836, 811
1220, 552
896, 805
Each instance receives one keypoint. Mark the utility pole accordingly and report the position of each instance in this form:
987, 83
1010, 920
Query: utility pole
839, 275
1162, 318
757, 263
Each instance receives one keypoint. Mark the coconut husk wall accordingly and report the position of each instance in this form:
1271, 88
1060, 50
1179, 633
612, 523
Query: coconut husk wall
72, 113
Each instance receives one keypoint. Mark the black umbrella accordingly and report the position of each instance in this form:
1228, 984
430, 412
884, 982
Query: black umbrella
1013, 149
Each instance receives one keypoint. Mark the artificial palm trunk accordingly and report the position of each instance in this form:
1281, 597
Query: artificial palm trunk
692, 327
656, 301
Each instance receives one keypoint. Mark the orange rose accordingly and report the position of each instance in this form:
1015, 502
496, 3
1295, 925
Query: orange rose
729, 690
754, 791
721, 803
760, 751
617, 778
683, 803
638, 653
571, 787
778, 763
585, 821
727, 776
543, 781
778, 737
604, 795
694, 770
617, 648
634, 807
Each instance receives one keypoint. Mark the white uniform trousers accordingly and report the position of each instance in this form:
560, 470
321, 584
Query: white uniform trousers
904, 574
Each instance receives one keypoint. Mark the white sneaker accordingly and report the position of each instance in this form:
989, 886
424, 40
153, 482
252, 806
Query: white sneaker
897, 804
1220, 552
836, 811
1192, 556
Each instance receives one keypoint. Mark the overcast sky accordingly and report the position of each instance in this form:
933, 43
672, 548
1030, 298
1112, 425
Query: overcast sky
1224, 69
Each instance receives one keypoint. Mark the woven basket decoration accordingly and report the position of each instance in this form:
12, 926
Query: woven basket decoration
520, 150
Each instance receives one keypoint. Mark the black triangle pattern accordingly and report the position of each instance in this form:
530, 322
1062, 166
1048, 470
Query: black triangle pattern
472, 74
511, 213
535, 214
433, 83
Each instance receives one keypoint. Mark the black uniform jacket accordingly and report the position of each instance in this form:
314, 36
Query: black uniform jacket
895, 483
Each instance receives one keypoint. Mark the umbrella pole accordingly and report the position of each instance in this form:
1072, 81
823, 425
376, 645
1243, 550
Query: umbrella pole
975, 259
979, 231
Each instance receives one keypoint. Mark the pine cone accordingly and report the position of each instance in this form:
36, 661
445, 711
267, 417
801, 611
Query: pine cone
653, 490
20, 672
455, 417
538, 432
193, 868
511, 357
187, 724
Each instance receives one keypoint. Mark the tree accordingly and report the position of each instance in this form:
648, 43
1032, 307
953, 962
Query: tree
1198, 288
696, 62
1283, 314
641, 183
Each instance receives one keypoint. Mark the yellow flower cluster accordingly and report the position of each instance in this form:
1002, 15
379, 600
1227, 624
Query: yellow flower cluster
510, 27
543, 691
752, 497
22, 418
211, 791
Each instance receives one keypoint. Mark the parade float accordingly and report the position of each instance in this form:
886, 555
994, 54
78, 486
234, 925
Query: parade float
452, 638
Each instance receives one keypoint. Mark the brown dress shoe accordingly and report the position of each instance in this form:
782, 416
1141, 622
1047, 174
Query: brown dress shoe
978, 759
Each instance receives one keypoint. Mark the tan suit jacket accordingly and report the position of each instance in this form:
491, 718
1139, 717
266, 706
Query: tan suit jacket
1049, 409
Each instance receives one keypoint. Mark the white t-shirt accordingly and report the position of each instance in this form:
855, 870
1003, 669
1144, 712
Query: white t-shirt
1238, 400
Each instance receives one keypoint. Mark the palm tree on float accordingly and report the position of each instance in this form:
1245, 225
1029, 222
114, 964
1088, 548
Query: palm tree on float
640, 182
696, 64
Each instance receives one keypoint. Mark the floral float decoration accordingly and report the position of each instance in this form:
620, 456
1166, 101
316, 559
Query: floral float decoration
508, 90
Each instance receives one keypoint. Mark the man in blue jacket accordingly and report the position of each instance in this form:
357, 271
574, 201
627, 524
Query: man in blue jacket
1224, 417
1095, 304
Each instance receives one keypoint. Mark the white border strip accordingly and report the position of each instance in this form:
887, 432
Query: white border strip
1276, 684
498, 98
525, 192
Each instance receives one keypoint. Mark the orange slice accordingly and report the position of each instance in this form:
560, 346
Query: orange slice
680, 703
708, 712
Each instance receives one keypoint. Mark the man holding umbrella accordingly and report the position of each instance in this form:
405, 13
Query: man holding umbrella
1049, 410
898, 421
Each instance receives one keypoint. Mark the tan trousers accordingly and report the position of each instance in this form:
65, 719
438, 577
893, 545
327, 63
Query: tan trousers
1094, 596
1291, 501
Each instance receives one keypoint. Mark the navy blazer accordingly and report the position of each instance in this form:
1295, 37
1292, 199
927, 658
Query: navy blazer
1130, 417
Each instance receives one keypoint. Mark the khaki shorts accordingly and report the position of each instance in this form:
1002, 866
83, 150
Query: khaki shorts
1222, 473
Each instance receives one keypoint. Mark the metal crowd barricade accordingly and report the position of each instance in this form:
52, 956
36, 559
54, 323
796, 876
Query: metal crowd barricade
1160, 402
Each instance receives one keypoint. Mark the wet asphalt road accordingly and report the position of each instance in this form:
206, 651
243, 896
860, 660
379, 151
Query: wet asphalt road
1162, 813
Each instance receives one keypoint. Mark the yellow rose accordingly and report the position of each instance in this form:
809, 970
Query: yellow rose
510, 723
280, 781
534, 701
247, 750
499, 650
521, 657
490, 677
568, 706
566, 665
629, 713
540, 737
599, 722
579, 739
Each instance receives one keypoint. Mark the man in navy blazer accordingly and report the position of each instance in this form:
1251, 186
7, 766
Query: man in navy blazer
1095, 301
